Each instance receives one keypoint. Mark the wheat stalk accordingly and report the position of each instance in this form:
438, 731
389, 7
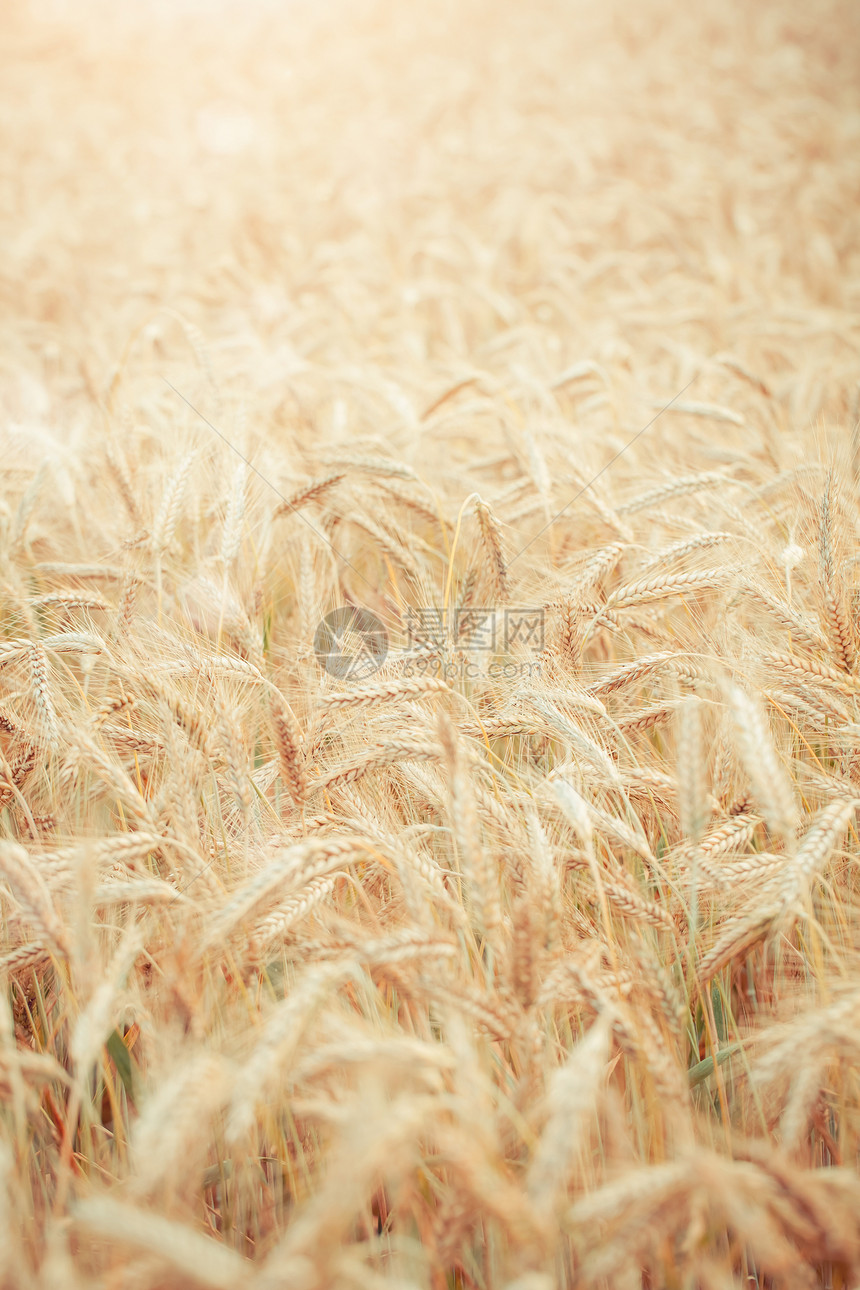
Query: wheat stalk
167, 516
313, 491
770, 784
839, 626
30, 891
802, 669
378, 759
674, 489
382, 692
631, 672
490, 535
483, 883
647, 589
529, 960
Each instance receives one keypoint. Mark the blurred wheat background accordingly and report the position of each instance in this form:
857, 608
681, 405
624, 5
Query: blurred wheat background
533, 964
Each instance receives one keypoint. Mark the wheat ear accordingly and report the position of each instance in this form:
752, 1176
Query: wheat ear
491, 544
290, 745
839, 626
483, 883
767, 776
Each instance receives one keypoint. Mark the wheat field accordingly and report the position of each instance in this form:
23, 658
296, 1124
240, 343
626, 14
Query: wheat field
501, 930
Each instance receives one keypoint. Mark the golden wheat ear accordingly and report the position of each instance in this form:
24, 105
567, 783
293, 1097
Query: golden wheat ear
290, 746
838, 621
490, 534
510, 940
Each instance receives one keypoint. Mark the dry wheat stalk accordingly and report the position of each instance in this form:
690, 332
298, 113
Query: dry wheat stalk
289, 743
646, 719
491, 544
839, 626
229, 732
273, 1052
425, 513
573, 1099
25, 958
503, 728
817, 843
803, 669
127, 603
481, 1007
392, 540
292, 869
42, 696
82, 751
14, 773
368, 465
770, 784
122, 479
97, 1019
281, 920
803, 631
477, 865
231, 538
569, 644
73, 643
674, 489
378, 759
190, 722
647, 589
69, 600
137, 892
679, 550
595, 568
629, 837
692, 788
631, 672
12, 649
628, 901
737, 937
382, 692
166, 1139
580, 742
726, 876
167, 516
179, 1247
29, 889
310, 492
734, 833
823, 714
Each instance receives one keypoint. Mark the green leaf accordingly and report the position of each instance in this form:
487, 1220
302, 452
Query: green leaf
702, 1070
121, 1058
